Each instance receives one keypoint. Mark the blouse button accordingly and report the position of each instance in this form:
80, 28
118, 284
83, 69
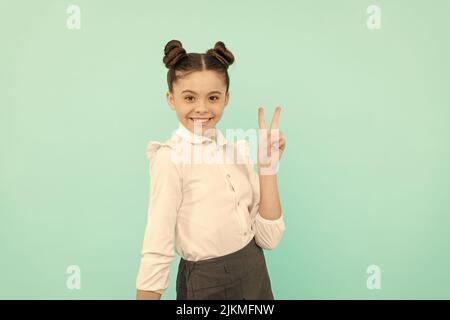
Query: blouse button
229, 175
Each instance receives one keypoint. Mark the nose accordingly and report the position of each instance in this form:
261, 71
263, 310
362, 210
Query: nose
201, 109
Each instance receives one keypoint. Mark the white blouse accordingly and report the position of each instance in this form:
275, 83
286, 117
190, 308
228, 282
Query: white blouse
201, 210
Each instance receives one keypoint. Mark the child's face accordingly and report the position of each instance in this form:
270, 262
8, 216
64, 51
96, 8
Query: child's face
199, 95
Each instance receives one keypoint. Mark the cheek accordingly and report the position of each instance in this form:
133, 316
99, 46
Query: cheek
218, 110
182, 114
182, 110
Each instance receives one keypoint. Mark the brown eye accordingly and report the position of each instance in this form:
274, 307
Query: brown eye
217, 98
187, 98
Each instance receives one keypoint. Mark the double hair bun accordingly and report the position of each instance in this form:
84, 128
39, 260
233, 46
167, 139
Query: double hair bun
174, 52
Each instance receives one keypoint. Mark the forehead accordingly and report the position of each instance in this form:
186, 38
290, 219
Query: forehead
201, 82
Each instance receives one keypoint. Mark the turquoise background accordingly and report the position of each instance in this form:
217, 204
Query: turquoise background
364, 179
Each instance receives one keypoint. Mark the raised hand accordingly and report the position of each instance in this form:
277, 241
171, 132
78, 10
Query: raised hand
271, 143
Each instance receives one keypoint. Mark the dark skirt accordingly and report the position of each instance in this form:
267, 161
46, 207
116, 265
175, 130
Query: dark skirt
239, 275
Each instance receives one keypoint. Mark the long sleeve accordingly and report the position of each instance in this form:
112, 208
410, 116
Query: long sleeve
164, 201
268, 233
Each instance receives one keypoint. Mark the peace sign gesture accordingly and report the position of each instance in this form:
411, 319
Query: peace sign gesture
271, 144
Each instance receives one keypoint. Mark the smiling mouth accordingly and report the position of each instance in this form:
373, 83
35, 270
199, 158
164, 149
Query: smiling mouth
200, 121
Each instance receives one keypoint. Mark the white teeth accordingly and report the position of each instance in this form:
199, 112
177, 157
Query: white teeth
201, 120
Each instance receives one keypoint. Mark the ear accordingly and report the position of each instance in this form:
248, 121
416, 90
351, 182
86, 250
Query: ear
170, 100
227, 98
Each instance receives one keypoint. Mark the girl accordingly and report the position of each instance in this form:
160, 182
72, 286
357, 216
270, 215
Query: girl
219, 217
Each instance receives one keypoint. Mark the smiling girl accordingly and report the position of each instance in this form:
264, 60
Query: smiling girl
217, 217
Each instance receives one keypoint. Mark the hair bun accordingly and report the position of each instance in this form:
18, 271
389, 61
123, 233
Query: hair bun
173, 52
221, 53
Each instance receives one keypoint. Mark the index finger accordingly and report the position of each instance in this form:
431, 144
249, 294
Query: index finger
262, 123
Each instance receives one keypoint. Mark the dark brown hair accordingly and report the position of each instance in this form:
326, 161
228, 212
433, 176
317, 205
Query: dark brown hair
176, 59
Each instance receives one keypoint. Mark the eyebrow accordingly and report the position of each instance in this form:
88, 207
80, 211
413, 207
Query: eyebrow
196, 92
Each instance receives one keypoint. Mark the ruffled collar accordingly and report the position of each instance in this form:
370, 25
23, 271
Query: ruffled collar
211, 135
